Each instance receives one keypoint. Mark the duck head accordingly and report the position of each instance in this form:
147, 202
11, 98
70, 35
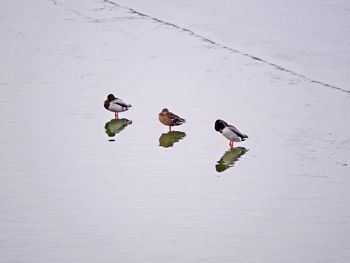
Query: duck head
165, 110
220, 125
110, 97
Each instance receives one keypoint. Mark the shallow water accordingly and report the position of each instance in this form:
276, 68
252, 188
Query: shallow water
77, 185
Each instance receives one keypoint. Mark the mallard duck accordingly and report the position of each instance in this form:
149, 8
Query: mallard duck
170, 119
115, 105
230, 132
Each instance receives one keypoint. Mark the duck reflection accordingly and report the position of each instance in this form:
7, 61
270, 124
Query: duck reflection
168, 139
115, 126
229, 158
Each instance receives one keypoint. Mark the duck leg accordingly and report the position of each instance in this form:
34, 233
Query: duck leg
169, 128
231, 144
116, 115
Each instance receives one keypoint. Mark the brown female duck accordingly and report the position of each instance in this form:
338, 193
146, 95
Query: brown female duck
170, 119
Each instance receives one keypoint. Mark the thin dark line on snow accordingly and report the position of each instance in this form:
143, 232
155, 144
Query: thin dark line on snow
91, 19
205, 39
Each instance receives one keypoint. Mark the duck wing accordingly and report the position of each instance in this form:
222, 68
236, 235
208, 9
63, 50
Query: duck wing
175, 120
120, 102
235, 130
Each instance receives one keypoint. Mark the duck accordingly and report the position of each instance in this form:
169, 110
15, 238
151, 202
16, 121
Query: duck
170, 119
115, 105
230, 132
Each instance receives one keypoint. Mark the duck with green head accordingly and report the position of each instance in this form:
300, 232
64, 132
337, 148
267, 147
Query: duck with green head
115, 105
230, 132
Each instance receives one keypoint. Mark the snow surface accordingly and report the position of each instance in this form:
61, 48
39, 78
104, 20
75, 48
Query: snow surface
69, 194
311, 38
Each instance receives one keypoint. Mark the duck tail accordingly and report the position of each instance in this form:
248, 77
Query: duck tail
244, 137
178, 121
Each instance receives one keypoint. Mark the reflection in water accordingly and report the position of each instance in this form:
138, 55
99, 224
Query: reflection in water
229, 158
168, 139
115, 126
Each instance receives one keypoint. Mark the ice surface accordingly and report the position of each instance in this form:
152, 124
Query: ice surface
310, 38
69, 194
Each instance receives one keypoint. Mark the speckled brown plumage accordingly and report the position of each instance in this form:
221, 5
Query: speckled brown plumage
170, 119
